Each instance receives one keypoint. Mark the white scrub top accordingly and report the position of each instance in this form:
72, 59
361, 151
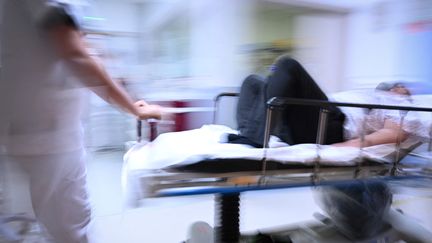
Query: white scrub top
40, 102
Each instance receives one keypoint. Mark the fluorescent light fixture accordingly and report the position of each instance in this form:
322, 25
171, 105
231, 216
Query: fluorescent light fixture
94, 18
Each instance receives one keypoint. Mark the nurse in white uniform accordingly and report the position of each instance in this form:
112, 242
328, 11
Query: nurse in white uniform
44, 65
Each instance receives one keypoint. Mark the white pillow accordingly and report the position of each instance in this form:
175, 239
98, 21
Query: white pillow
424, 100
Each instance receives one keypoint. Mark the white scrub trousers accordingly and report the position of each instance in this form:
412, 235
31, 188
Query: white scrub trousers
52, 188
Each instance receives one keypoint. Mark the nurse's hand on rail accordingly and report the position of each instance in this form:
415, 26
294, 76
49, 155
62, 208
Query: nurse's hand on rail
141, 103
146, 111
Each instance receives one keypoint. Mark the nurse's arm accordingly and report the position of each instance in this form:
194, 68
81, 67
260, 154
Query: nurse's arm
70, 46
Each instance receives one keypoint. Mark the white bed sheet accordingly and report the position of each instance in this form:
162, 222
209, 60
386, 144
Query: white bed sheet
188, 147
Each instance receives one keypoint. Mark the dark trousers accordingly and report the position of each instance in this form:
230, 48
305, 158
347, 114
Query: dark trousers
295, 124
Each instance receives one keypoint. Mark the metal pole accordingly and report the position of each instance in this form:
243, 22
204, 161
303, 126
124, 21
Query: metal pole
362, 137
215, 111
322, 126
227, 225
430, 139
266, 138
398, 138
139, 131
321, 133
153, 129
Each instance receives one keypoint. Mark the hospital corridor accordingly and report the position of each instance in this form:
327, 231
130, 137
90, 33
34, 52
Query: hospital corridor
215, 121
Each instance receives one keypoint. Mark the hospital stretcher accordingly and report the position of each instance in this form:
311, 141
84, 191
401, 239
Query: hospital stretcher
228, 182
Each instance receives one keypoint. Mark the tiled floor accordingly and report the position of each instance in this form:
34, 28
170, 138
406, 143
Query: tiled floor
166, 220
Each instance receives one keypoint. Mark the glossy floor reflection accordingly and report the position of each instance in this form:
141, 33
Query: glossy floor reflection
167, 220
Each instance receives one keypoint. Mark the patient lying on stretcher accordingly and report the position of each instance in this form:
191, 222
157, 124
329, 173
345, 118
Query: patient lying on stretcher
299, 124
296, 125
361, 214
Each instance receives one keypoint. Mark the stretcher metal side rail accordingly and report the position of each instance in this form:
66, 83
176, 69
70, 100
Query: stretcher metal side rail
228, 186
166, 184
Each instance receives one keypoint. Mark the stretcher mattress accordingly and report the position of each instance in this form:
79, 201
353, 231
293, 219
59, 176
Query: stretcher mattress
205, 150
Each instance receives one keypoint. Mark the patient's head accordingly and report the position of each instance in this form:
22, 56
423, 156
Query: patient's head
394, 87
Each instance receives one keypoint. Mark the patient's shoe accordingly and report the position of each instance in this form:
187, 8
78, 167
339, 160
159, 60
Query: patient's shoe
200, 232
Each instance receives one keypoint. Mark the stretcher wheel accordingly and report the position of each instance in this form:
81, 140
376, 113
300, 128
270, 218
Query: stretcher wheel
200, 232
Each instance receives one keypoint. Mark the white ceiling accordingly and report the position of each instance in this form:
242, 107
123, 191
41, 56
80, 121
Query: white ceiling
339, 4
336, 5
160, 10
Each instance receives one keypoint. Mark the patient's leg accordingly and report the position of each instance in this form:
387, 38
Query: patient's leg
300, 123
251, 110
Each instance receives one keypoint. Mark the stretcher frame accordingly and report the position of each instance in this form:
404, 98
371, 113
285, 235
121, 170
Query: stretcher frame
227, 187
